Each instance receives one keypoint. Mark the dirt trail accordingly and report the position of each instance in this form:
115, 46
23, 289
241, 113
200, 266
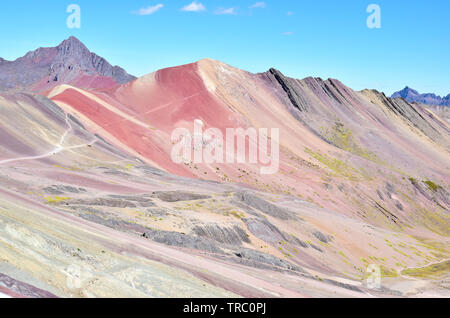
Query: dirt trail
399, 271
59, 148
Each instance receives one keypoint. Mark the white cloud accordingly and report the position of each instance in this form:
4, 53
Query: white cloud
149, 10
289, 13
194, 7
258, 5
226, 11
288, 33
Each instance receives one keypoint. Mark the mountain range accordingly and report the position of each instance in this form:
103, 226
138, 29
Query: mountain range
92, 204
414, 96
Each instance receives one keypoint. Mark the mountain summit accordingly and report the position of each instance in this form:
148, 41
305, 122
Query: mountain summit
411, 95
70, 62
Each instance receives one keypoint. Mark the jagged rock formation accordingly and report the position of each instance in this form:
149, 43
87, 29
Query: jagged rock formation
69, 62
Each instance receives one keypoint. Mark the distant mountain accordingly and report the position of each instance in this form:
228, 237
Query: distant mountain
71, 62
412, 95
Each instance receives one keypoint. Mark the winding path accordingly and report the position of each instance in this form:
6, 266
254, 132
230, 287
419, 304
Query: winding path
59, 148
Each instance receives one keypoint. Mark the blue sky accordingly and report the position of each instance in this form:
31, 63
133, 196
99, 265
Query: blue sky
327, 38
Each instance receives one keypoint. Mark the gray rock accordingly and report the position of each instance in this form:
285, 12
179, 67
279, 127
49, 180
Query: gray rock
108, 202
398, 205
294, 240
316, 248
255, 259
342, 285
264, 206
176, 196
142, 200
114, 224
263, 230
60, 189
182, 240
322, 237
380, 195
231, 236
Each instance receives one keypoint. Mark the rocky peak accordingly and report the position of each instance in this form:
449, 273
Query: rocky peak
74, 56
405, 93
57, 65
414, 96
72, 47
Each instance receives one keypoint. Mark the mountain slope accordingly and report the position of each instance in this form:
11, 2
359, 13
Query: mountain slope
327, 131
71, 202
69, 62
88, 181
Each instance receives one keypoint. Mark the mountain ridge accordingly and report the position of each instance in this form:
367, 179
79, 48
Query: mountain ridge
412, 95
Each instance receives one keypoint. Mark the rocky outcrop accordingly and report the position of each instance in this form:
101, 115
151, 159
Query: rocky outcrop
61, 189
264, 206
322, 237
257, 259
264, 230
183, 240
232, 236
105, 202
176, 196
289, 85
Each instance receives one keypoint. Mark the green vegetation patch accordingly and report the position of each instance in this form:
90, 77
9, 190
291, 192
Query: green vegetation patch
432, 186
336, 165
56, 199
432, 271
343, 138
386, 272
